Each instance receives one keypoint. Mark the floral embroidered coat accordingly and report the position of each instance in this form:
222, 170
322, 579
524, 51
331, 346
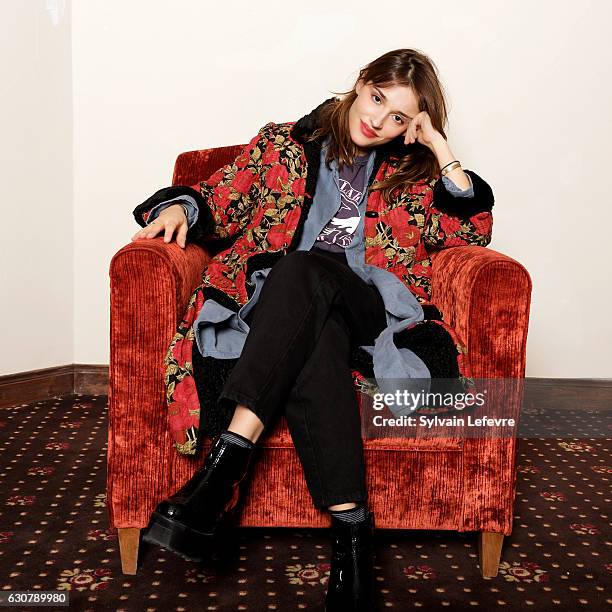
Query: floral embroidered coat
254, 209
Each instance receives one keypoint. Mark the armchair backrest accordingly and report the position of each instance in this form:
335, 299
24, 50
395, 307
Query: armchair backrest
194, 166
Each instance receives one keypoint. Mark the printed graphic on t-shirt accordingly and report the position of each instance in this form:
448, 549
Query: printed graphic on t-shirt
342, 226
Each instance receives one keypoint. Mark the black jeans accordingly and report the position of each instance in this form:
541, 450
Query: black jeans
312, 309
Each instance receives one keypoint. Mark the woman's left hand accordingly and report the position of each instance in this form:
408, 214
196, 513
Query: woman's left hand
420, 130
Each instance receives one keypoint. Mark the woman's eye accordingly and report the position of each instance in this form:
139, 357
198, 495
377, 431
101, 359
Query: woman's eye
399, 120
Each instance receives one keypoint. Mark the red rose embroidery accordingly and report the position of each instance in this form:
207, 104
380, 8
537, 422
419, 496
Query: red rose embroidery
257, 217
243, 181
270, 156
375, 256
408, 236
421, 252
277, 235
420, 270
277, 177
450, 224
419, 291
455, 241
242, 161
399, 269
369, 228
298, 187
218, 277
221, 196
483, 222
185, 392
398, 217
215, 178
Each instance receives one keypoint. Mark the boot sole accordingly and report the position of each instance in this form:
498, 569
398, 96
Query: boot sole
188, 543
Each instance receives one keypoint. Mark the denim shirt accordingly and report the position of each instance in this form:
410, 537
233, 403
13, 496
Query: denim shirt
221, 332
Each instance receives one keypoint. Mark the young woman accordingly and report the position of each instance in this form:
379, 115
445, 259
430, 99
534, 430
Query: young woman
323, 229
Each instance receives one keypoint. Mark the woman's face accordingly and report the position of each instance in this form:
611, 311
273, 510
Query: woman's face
379, 115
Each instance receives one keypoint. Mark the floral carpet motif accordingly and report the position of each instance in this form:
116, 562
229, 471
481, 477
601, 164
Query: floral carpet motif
54, 534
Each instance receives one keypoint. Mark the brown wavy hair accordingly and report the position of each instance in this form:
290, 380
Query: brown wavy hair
407, 67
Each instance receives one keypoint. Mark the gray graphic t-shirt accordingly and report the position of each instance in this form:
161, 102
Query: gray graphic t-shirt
338, 233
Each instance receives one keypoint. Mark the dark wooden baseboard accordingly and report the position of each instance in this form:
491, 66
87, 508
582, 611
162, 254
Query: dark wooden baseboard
595, 393
593, 383
36, 385
86, 379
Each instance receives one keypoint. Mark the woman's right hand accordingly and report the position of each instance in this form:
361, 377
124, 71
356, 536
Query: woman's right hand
170, 220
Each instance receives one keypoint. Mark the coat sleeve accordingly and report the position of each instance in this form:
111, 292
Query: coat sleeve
188, 203
458, 221
225, 201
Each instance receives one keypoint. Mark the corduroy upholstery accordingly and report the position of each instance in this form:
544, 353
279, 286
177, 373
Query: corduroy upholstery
424, 483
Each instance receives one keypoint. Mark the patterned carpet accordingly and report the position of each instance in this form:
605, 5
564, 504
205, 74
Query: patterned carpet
54, 534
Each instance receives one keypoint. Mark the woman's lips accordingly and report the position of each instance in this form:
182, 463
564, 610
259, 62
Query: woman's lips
366, 131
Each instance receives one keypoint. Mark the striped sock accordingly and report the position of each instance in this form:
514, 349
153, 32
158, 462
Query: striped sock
352, 515
237, 439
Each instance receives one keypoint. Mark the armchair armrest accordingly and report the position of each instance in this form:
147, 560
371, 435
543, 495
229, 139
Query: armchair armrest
151, 283
172, 268
485, 296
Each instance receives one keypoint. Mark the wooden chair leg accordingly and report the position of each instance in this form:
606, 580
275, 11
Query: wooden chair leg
129, 538
489, 552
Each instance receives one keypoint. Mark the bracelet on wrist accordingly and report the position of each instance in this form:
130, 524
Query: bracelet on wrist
450, 167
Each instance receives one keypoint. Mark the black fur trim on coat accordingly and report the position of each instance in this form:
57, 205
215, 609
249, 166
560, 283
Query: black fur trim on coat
212, 293
431, 313
464, 208
205, 224
305, 126
261, 261
215, 415
312, 151
361, 361
432, 344
435, 346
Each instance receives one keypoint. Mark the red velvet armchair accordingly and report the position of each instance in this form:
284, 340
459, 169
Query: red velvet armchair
414, 483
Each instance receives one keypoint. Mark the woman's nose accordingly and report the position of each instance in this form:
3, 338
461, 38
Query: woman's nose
377, 122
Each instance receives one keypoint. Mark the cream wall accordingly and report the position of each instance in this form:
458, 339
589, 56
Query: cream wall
530, 97
36, 174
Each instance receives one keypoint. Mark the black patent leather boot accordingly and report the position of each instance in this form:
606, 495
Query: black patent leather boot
351, 576
194, 521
